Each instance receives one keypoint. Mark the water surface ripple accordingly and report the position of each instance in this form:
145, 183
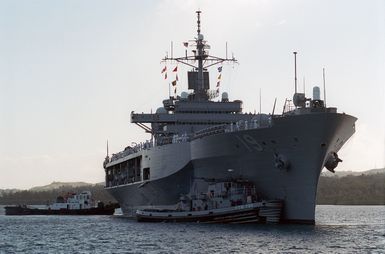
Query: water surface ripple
339, 229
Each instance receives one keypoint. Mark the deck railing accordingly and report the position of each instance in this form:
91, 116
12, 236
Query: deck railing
225, 128
132, 149
238, 126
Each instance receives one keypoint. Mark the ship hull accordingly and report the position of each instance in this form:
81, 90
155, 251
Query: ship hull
304, 140
262, 212
163, 192
20, 210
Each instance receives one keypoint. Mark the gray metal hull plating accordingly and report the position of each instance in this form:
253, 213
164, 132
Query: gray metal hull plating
305, 140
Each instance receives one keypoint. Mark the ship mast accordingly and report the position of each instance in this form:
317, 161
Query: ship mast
198, 78
201, 55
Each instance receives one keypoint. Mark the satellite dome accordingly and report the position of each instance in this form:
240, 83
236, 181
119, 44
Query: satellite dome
161, 111
299, 99
200, 36
184, 95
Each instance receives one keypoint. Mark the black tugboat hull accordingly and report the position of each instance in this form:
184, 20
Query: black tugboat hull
20, 210
269, 212
239, 217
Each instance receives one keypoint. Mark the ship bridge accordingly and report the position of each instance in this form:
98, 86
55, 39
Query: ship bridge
182, 116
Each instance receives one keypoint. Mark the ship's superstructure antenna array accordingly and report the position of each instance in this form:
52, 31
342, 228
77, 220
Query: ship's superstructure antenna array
198, 77
199, 21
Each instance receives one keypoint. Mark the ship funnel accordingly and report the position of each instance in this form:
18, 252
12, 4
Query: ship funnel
316, 93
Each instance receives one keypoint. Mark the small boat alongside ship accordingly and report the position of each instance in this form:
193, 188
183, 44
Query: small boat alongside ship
70, 204
231, 201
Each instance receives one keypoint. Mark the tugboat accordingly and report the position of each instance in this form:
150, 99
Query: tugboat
232, 201
71, 204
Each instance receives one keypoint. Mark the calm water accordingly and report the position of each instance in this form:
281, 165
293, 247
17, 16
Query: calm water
339, 229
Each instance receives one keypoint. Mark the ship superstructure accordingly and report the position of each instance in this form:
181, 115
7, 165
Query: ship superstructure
194, 136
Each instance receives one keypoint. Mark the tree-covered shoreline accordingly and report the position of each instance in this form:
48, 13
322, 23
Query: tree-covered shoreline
352, 190
364, 189
33, 197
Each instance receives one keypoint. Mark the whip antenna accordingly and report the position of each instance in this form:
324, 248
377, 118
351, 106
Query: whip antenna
323, 74
107, 148
260, 100
275, 102
295, 71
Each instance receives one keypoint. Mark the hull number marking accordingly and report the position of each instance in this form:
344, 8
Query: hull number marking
250, 143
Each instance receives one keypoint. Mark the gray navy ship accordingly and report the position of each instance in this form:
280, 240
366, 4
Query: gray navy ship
200, 136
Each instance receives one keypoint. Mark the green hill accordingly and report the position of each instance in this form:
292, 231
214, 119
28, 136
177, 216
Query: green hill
364, 188
58, 185
42, 196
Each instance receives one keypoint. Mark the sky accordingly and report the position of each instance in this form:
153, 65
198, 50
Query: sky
72, 71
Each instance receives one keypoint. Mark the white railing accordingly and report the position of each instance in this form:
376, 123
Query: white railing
132, 149
225, 128
238, 126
